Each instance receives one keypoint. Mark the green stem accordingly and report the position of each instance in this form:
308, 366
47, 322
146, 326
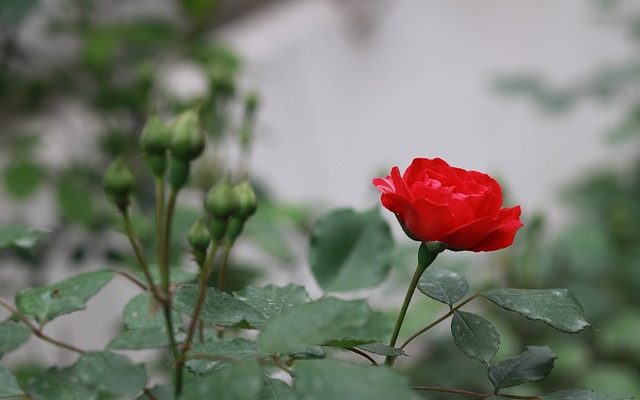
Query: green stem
202, 294
222, 275
426, 255
160, 248
128, 228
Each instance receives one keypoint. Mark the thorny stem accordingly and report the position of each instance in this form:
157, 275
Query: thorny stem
38, 330
363, 354
469, 393
429, 257
436, 322
202, 294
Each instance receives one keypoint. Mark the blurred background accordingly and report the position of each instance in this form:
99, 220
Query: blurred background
544, 95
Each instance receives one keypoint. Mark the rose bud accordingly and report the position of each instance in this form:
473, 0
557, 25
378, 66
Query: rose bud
437, 202
221, 201
187, 139
118, 183
155, 136
198, 236
247, 202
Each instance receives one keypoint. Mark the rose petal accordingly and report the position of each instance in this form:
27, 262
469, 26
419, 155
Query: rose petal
502, 236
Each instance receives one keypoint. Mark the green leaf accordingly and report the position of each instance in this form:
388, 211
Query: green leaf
12, 12
575, 394
313, 324
378, 327
475, 336
23, 178
350, 250
57, 385
179, 275
8, 384
382, 349
19, 236
143, 311
149, 337
219, 308
272, 300
556, 307
311, 353
442, 285
275, 389
532, 365
12, 336
329, 379
238, 382
111, 373
160, 392
49, 302
235, 350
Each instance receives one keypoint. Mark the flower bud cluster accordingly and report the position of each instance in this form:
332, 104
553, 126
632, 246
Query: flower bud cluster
229, 207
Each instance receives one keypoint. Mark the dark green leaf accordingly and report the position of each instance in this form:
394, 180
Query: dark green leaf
12, 12
377, 328
273, 300
49, 302
221, 352
12, 336
8, 384
311, 353
350, 250
442, 285
57, 385
238, 382
275, 389
149, 337
19, 236
143, 311
382, 349
313, 324
575, 394
111, 373
556, 307
475, 336
23, 178
329, 379
265, 228
219, 308
160, 392
532, 365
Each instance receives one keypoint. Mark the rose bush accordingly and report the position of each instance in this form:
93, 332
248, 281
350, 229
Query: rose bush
437, 202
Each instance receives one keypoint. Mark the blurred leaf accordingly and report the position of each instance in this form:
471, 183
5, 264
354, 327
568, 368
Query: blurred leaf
313, 324
179, 275
57, 385
12, 336
350, 250
75, 203
328, 379
532, 365
19, 236
272, 300
238, 382
229, 352
199, 10
311, 353
111, 373
275, 389
142, 311
48, 302
382, 349
149, 337
8, 384
556, 307
23, 178
575, 394
442, 285
266, 229
547, 98
12, 12
475, 336
616, 380
621, 334
377, 328
219, 308
160, 392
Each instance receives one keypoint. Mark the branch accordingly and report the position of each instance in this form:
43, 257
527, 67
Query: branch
37, 330
131, 278
362, 353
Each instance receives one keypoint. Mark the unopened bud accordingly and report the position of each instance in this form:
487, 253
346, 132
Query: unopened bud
198, 236
118, 183
221, 201
187, 139
155, 137
246, 198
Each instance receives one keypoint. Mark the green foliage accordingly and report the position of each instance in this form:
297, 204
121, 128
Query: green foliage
575, 394
532, 365
23, 178
57, 384
12, 336
275, 389
442, 285
49, 302
19, 236
328, 379
214, 353
475, 336
556, 307
238, 382
8, 384
272, 300
350, 250
110, 373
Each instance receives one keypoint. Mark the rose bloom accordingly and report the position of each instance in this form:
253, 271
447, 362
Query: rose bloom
437, 202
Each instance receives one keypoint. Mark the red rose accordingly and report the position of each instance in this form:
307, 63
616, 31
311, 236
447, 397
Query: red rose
437, 202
